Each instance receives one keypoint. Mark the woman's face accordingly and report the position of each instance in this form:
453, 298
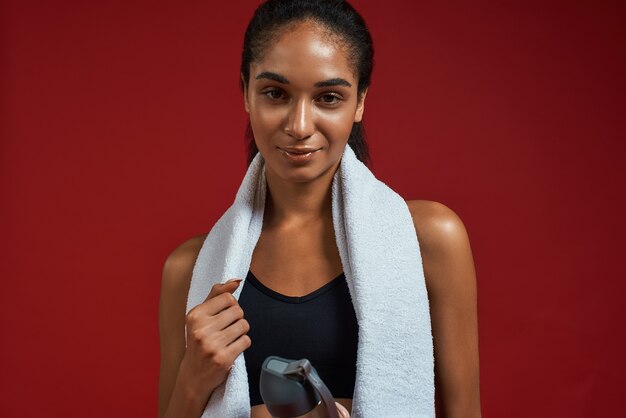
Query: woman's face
303, 94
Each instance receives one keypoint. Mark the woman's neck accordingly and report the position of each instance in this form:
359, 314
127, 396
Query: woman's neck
291, 204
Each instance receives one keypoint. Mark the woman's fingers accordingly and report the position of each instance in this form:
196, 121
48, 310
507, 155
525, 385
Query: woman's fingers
215, 336
234, 331
226, 317
219, 303
343, 412
238, 346
220, 288
210, 308
219, 298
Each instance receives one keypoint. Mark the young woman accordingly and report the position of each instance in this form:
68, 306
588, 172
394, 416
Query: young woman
305, 74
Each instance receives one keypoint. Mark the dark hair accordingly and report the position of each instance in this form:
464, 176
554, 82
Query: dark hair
339, 17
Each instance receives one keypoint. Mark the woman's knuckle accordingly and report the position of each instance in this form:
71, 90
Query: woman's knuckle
220, 360
247, 340
228, 298
192, 316
197, 336
208, 348
245, 326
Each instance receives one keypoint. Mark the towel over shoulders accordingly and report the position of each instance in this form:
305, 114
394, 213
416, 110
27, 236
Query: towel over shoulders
382, 264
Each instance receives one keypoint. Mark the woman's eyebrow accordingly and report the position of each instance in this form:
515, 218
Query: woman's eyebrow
272, 76
280, 79
333, 82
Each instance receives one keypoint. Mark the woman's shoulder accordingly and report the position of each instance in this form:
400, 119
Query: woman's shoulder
451, 285
179, 264
439, 229
446, 256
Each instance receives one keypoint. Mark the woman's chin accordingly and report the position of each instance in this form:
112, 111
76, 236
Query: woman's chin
301, 176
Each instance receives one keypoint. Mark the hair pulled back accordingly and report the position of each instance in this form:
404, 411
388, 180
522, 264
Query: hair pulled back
338, 17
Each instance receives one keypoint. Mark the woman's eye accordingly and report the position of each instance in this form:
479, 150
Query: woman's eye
330, 98
273, 94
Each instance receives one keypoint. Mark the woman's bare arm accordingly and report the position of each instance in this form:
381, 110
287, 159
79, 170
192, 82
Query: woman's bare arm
216, 334
174, 288
451, 283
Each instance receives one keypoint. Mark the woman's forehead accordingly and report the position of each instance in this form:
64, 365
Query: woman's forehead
306, 53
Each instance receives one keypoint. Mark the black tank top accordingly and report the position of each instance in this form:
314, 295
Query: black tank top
320, 327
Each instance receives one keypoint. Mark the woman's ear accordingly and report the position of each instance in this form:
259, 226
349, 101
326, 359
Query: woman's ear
245, 95
360, 106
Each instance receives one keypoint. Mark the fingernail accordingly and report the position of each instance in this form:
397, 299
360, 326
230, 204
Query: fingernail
232, 280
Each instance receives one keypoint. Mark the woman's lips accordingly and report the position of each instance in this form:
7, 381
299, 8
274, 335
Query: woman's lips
298, 157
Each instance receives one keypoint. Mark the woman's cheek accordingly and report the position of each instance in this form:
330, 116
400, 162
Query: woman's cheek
266, 123
337, 125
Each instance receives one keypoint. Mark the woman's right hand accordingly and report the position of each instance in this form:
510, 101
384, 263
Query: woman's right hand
216, 335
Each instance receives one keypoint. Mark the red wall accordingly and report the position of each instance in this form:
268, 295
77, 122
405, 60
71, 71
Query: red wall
122, 135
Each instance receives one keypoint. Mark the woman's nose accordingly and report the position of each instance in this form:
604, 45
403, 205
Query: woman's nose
300, 123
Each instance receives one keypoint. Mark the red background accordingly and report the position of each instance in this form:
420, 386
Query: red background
122, 135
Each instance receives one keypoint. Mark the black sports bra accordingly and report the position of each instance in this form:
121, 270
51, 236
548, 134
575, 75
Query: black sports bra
320, 326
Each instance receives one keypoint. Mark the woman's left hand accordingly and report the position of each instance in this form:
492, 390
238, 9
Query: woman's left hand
343, 412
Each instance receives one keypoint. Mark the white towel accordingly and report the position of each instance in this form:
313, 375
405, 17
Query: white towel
382, 264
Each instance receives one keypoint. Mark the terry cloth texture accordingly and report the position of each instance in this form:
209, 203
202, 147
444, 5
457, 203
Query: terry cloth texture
382, 263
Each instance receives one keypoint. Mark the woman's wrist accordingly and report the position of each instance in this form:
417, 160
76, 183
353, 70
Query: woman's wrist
187, 400
184, 403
